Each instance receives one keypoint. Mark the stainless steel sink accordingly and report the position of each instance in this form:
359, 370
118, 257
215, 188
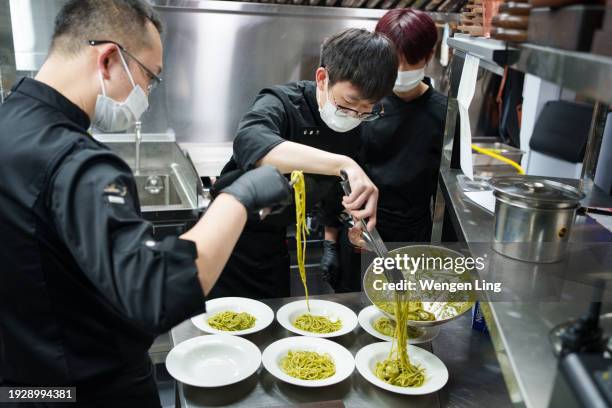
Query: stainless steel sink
157, 190
169, 188
165, 177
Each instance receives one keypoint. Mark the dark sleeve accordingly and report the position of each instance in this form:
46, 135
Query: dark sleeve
259, 131
94, 204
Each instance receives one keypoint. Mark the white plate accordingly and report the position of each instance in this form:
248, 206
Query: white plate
262, 312
343, 359
332, 310
370, 314
213, 360
436, 374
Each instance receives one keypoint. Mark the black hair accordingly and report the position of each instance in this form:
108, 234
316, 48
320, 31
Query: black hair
122, 21
367, 60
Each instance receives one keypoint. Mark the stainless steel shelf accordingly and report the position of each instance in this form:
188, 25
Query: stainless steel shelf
519, 330
495, 52
587, 74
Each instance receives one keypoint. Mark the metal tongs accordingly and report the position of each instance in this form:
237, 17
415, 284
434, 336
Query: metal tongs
372, 238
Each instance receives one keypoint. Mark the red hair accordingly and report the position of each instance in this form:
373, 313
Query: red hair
412, 31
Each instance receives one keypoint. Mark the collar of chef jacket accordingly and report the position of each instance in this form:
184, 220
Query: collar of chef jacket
52, 97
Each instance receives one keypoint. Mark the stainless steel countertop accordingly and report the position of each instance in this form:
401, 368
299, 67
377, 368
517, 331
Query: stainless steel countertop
519, 330
475, 376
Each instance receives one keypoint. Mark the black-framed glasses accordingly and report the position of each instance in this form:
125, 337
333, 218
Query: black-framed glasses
154, 80
344, 112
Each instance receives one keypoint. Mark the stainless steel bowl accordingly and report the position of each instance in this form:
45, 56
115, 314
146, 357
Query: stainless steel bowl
443, 305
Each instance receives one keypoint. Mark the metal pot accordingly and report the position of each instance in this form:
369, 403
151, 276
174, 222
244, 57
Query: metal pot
533, 217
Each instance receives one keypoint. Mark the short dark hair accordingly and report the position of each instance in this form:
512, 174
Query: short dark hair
367, 60
413, 32
123, 21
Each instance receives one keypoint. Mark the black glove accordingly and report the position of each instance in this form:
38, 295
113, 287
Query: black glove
261, 188
329, 261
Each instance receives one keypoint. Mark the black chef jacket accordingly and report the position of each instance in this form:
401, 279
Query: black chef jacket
259, 265
84, 288
401, 154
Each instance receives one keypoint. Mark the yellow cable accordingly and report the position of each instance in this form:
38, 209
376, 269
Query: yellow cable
499, 157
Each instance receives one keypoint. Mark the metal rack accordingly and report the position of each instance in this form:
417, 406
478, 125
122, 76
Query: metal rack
524, 352
589, 75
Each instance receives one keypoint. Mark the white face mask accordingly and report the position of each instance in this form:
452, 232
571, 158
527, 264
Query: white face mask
408, 80
336, 123
113, 116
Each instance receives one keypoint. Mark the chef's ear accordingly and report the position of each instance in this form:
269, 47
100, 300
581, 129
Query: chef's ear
320, 76
106, 54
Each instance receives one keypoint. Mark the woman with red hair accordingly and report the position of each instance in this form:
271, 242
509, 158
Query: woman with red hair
402, 149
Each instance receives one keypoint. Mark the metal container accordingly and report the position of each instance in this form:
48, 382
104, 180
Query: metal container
170, 191
503, 149
533, 217
487, 166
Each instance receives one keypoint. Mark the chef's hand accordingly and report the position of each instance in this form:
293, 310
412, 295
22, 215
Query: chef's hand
261, 188
364, 195
329, 261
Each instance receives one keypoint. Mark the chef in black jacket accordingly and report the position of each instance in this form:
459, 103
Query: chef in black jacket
401, 151
84, 288
312, 126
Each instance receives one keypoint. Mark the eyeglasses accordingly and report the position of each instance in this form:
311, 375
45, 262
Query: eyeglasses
154, 80
345, 112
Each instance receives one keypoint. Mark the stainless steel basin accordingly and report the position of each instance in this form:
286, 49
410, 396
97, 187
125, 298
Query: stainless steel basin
169, 188
157, 190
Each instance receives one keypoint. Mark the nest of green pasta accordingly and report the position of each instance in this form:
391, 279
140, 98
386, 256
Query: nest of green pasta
316, 324
307, 321
308, 365
397, 368
231, 321
386, 326
415, 311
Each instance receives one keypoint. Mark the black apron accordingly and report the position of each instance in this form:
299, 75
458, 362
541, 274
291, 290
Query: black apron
401, 155
259, 266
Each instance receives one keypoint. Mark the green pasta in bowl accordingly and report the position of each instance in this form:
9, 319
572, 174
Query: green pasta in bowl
231, 321
397, 369
386, 326
308, 365
416, 312
394, 372
316, 324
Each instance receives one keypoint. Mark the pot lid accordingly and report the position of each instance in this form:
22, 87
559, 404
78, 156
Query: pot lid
536, 188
